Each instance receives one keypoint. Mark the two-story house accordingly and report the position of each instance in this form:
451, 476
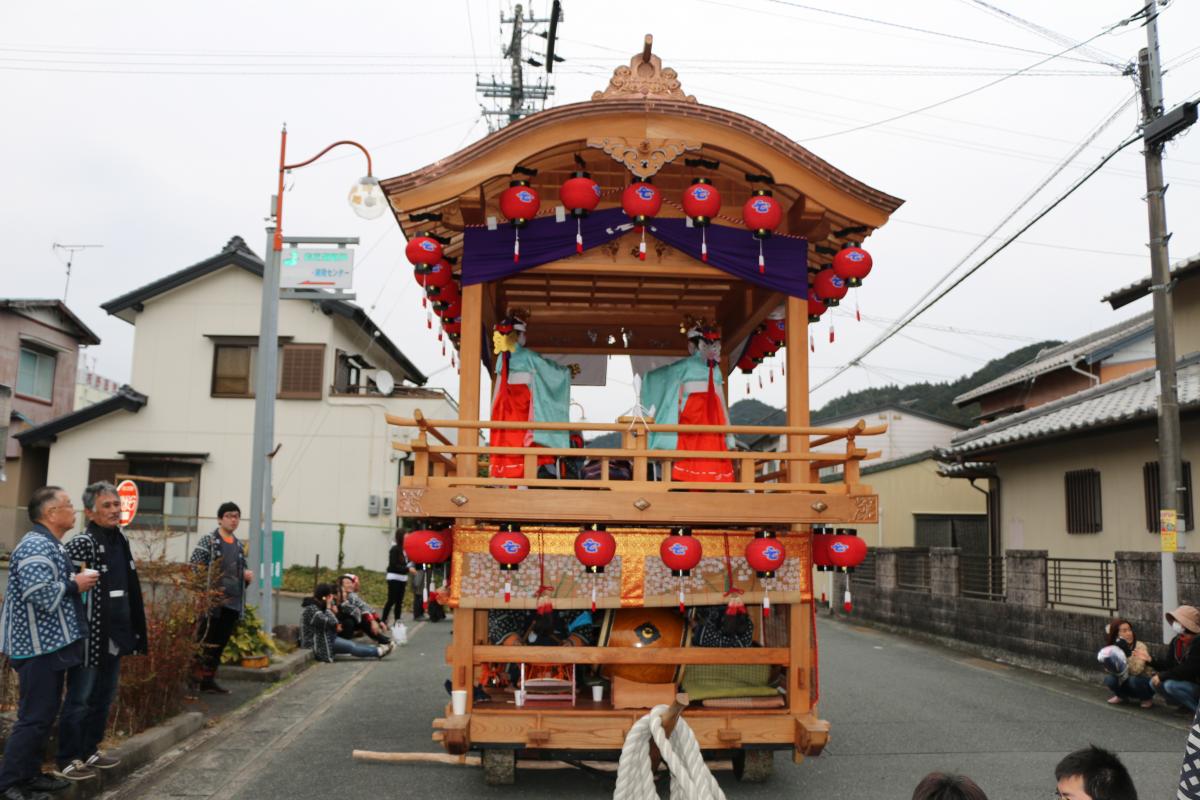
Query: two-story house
1076, 473
39, 352
182, 428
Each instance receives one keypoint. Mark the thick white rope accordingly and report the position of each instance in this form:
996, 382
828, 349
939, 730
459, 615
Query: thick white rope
690, 776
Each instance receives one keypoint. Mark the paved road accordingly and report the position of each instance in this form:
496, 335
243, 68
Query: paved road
898, 708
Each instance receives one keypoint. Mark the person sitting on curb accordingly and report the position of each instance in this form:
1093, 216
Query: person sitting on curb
319, 629
1178, 678
1132, 680
365, 618
1093, 773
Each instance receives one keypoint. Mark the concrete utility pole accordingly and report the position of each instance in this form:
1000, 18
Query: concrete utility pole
1158, 128
521, 97
266, 379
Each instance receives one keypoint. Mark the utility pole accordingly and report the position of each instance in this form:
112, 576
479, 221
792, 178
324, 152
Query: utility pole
71, 250
520, 97
1157, 129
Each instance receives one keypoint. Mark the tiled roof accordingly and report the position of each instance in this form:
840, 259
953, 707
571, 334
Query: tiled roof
1135, 291
1130, 398
1064, 355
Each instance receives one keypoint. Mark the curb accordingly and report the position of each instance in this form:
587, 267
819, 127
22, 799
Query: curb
137, 751
284, 668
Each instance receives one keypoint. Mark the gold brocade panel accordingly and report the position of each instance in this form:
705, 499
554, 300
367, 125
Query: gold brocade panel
635, 577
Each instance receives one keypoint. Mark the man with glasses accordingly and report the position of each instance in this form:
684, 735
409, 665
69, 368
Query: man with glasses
41, 630
223, 558
116, 622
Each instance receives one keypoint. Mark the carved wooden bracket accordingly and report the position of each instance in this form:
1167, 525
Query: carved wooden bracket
866, 508
644, 77
645, 158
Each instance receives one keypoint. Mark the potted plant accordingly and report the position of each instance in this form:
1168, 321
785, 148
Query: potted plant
250, 645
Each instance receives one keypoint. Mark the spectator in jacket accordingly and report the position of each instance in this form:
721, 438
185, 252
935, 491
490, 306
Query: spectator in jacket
116, 622
41, 631
1136, 683
319, 629
364, 617
223, 559
397, 579
1093, 773
1178, 678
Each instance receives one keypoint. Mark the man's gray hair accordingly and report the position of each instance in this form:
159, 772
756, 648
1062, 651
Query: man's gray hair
95, 490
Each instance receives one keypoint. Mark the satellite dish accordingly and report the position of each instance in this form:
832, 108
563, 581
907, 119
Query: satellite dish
385, 381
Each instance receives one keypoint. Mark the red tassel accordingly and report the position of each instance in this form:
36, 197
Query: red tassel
440, 338
452, 360
762, 265
747, 388
443, 349
428, 320
593, 596
766, 605
812, 345
857, 314
642, 246
760, 380
682, 607
517, 246
831, 334
704, 245
772, 375
579, 236
783, 369
847, 605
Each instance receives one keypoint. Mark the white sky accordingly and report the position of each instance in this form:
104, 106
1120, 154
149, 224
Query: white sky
152, 129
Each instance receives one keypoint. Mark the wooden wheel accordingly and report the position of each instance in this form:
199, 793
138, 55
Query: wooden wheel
754, 766
499, 767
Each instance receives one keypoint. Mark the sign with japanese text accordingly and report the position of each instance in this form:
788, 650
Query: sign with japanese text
127, 491
1168, 529
316, 268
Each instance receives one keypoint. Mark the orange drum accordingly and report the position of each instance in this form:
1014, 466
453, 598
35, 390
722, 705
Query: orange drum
643, 627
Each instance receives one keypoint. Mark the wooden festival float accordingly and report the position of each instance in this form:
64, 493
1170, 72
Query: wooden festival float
607, 228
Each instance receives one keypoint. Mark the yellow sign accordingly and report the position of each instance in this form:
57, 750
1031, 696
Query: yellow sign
1168, 530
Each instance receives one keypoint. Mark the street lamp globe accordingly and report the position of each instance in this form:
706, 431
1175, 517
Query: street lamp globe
366, 198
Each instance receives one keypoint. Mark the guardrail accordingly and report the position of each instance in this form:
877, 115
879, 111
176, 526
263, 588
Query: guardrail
912, 570
1088, 583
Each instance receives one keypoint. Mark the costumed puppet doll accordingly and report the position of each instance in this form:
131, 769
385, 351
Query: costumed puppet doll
689, 392
528, 387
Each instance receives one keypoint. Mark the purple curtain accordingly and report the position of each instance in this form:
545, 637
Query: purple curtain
488, 255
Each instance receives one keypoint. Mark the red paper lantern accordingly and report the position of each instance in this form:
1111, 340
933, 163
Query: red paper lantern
765, 554
446, 293
815, 308
580, 194
451, 310
746, 364
430, 275
422, 249
852, 264
452, 326
829, 287
701, 201
820, 549
776, 330
519, 203
427, 547
509, 546
681, 552
641, 201
595, 548
762, 213
846, 549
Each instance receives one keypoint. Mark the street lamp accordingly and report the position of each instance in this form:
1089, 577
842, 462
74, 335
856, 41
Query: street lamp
368, 202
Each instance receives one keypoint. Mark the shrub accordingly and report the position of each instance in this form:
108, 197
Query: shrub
249, 639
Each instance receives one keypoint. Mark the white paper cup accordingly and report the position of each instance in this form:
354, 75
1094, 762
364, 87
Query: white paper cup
458, 701
598, 692
519, 697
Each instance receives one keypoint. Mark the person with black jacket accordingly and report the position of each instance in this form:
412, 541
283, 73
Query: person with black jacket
116, 619
1178, 678
397, 579
319, 629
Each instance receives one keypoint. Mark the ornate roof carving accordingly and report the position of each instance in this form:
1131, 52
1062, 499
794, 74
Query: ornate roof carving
644, 157
644, 77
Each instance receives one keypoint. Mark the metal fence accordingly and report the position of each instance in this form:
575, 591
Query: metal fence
1086, 583
981, 577
912, 569
864, 573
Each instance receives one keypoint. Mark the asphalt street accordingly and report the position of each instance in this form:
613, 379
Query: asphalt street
898, 709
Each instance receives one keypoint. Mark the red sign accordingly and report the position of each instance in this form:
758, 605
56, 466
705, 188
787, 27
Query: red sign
128, 492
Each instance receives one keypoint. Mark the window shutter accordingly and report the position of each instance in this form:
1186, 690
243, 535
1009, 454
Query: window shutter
303, 372
1083, 501
233, 368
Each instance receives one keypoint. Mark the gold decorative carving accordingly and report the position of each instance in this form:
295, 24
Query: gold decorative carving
408, 502
641, 504
459, 500
819, 506
644, 77
646, 157
866, 508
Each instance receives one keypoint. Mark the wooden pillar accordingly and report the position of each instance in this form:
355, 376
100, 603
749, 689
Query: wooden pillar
797, 383
471, 358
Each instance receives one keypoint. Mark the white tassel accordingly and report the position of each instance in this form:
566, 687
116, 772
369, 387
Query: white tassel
704, 244
593, 595
847, 606
642, 246
579, 236
762, 264
682, 606
517, 246
507, 591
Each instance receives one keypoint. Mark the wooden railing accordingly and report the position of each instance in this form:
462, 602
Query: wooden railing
440, 463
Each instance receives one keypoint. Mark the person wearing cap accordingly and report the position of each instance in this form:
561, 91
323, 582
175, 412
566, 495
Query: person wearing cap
688, 392
529, 388
1178, 678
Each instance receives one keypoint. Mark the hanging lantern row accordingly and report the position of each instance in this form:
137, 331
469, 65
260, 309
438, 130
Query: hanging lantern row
762, 344
842, 550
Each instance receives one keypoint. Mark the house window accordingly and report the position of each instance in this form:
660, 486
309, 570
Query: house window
168, 489
301, 371
1150, 485
348, 375
233, 370
35, 374
1083, 501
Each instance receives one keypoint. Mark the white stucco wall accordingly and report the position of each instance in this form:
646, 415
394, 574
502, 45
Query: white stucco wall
334, 453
